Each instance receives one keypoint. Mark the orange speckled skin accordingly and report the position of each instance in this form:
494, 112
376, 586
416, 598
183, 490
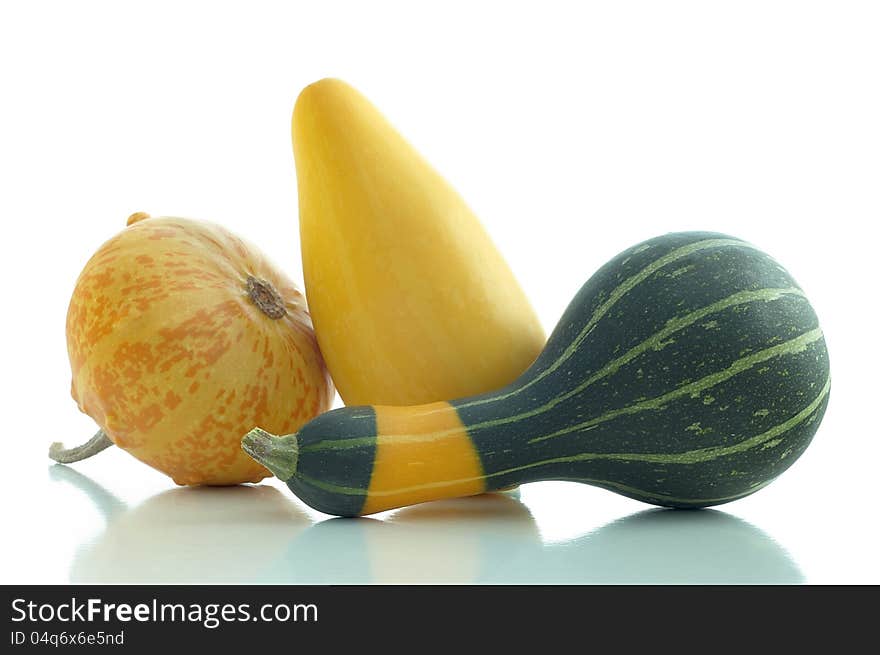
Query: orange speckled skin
175, 362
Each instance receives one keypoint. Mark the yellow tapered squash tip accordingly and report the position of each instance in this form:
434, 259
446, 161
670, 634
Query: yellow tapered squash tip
324, 106
322, 89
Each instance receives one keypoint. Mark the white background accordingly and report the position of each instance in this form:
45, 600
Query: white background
573, 130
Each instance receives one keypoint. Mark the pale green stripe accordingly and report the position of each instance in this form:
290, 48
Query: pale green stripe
691, 456
332, 488
353, 491
619, 292
790, 347
339, 444
654, 342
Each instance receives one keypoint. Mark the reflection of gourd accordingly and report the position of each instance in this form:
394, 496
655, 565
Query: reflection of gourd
688, 371
455, 541
493, 539
184, 535
452, 541
666, 547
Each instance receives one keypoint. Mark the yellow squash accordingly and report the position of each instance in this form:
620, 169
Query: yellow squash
410, 299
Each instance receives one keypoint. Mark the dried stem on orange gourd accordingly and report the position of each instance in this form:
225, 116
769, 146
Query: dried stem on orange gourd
93, 446
264, 296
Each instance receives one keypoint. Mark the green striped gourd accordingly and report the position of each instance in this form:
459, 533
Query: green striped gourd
689, 371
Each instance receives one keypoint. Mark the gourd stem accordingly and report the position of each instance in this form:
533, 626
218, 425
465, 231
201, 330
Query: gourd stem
93, 446
278, 454
264, 296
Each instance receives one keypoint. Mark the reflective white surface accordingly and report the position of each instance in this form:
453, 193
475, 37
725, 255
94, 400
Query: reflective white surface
259, 534
573, 130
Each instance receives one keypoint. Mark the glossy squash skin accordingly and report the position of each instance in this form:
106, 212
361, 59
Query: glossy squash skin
688, 371
180, 337
411, 301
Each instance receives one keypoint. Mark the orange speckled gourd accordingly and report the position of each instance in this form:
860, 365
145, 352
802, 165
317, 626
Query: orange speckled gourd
181, 338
